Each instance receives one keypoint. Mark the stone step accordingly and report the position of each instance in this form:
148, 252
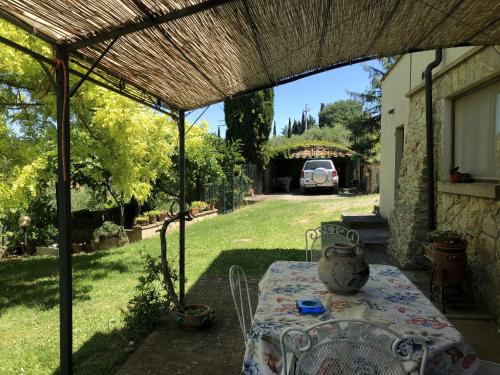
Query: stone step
373, 239
364, 221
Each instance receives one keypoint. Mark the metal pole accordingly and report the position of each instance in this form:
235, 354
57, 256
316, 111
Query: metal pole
64, 211
182, 205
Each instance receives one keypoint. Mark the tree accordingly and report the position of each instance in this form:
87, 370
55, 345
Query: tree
321, 117
274, 129
372, 96
289, 129
345, 112
366, 132
121, 147
249, 120
335, 134
297, 128
311, 122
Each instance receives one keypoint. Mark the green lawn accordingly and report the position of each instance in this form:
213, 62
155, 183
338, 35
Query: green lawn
252, 237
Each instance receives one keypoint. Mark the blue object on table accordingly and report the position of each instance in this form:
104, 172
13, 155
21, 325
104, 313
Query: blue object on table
310, 306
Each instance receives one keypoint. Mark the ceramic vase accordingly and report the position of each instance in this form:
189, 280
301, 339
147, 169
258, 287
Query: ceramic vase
341, 269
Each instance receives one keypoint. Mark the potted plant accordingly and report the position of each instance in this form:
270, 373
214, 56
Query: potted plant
151, 215
78, 247
108, 235
448, 257
141, 220
197, 206
449, 239
162, 215
455, 175
188, 317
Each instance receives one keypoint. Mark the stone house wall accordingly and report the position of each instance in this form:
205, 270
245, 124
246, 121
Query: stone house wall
476, 215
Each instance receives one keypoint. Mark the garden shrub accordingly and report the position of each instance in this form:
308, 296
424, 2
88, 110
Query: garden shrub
150, 305
109, 230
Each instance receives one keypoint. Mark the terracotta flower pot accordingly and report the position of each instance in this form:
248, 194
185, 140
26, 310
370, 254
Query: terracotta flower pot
455, 177
77, 247
195, 317
194, 211
142, 222
162, 216
449, 263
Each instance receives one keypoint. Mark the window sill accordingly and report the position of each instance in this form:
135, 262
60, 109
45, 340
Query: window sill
474, 189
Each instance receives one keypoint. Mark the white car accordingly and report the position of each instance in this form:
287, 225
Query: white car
319, 174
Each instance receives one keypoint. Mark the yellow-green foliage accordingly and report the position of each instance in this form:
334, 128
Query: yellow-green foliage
21, 185
130, 144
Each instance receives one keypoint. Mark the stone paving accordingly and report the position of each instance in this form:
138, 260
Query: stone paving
216, 351
219, 350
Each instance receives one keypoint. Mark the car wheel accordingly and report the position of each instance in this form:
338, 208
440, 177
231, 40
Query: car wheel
335, 189
302, 190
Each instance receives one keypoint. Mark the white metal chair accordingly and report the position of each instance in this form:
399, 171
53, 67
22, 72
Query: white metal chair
352, 346
489, 368
320, 238
239, 287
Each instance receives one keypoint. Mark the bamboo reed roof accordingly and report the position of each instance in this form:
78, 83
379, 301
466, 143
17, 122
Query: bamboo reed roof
190, 53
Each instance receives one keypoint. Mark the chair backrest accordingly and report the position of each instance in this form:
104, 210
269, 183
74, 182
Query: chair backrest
352, 346
240, 293
320, 238
489, 368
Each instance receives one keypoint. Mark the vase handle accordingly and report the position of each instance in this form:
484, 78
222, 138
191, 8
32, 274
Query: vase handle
327, 251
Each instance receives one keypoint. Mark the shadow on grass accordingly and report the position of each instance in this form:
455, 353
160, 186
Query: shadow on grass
105, 352
254, 261
34, 281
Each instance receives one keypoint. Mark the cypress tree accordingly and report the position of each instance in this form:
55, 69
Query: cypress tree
249, 119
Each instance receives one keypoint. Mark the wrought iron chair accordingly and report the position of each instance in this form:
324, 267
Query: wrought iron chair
239, 287
489, 368
320, 238
352, 346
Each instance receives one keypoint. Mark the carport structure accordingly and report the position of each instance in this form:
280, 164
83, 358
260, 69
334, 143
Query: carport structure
178, 55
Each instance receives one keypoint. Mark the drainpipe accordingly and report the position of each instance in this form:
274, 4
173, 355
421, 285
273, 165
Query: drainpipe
430, 139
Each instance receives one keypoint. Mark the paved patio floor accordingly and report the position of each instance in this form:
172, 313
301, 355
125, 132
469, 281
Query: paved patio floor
216, 351
219, 350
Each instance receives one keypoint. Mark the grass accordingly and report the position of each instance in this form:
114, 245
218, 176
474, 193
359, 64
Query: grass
252, 237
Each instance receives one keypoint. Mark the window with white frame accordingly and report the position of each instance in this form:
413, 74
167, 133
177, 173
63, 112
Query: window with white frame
476, 140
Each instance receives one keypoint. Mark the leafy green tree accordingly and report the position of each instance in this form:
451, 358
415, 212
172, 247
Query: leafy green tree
372, 96
335, 134
366, 131
121, 147
344, 112
321, 116
249, 121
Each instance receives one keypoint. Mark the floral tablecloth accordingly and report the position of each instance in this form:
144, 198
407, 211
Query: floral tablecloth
388, 298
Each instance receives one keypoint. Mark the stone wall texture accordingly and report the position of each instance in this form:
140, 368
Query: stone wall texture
480, 217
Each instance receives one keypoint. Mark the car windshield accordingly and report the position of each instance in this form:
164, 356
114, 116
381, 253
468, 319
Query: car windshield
313, 164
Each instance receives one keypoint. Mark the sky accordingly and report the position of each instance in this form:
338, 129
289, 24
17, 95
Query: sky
291, 99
